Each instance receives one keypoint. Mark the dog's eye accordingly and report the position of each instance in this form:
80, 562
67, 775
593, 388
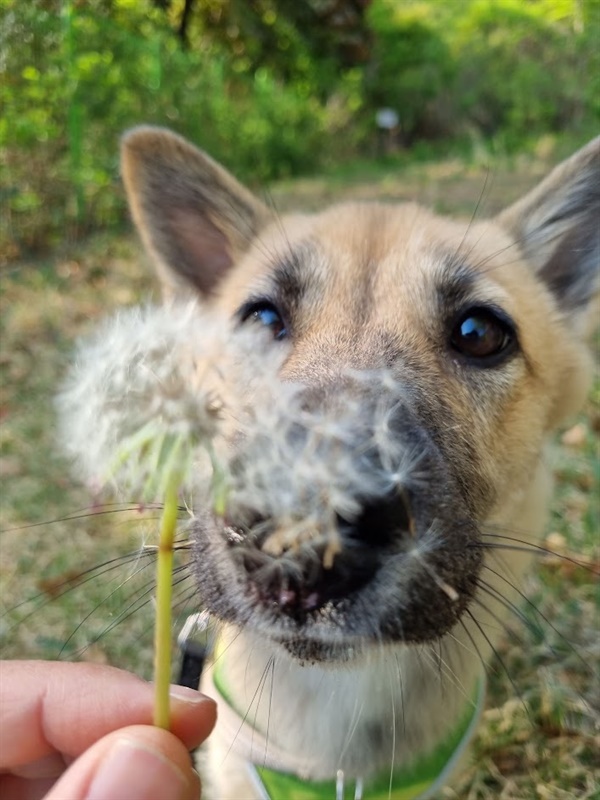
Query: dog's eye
264, 313
483, 336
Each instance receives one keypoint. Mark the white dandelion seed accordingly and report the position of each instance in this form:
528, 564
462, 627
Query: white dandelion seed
304, 467
148, 392
135, 394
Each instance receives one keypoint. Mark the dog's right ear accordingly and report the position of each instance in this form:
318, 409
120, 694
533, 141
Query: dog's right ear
557, 227
194, 218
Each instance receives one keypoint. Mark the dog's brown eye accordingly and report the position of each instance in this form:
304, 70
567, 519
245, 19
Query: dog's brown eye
264, 313
482, 335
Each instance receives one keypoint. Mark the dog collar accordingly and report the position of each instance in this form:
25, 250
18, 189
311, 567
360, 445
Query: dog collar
275, 775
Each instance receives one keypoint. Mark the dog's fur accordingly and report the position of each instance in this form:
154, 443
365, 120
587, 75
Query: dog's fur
363, 680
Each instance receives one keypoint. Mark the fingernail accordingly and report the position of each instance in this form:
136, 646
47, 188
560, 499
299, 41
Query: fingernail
187, 695
137, 772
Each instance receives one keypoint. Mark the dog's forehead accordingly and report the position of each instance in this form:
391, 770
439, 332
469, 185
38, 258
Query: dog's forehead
377, 259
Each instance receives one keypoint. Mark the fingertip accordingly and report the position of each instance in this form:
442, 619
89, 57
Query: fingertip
193, 715
140, 762
149, 766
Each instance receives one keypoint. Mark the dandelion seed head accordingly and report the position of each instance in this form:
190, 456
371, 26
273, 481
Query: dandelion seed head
313, 466
179, 386
144, 387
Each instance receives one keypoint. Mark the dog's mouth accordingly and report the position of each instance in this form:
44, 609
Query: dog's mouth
396, 577
315, 569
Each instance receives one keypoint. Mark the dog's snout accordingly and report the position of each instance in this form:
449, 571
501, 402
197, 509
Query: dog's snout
299, 581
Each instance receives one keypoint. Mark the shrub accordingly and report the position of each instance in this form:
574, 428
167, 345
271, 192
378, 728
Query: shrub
76, 81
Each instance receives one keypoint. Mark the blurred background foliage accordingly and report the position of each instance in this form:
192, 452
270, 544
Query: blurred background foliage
272, 88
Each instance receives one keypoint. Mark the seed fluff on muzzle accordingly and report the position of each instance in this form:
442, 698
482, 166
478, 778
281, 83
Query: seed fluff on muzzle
342, 524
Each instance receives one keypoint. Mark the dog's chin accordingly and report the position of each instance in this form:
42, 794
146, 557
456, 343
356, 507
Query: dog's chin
312, 651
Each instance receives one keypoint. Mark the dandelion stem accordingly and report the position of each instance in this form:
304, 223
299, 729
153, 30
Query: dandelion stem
164, 588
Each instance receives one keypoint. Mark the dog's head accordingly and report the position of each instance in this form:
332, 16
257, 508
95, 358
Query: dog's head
471, 336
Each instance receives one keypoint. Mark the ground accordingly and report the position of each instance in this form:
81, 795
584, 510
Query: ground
540, 733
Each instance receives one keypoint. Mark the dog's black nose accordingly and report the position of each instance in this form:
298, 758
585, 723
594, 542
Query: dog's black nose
299, 582
381, 523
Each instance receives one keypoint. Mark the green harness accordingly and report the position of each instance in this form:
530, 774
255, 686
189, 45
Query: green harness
417, 781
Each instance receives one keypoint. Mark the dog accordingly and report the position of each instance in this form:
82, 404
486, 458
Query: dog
362, 675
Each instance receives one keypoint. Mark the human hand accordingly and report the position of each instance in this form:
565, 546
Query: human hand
83, 732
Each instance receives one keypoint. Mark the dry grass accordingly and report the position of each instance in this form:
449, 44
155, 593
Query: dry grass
540, 734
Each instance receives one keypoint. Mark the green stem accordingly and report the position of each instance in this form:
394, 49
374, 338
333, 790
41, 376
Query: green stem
164, 591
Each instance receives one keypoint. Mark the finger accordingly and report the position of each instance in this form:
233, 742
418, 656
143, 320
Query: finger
50, 766
15, 788
48, 707
137, 763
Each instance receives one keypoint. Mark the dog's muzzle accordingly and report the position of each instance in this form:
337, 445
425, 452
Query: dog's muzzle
299, 581
405, 567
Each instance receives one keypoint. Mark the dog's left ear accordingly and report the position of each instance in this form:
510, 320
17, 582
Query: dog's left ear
557, 227
194, 218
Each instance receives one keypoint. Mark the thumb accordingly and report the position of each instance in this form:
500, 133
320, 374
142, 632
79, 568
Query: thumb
135, 763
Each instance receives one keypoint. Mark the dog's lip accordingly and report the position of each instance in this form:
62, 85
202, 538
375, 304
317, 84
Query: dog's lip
308, 602
317, 634
327, 646
355, 620
300, 599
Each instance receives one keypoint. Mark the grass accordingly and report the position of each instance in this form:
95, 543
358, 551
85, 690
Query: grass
549, 751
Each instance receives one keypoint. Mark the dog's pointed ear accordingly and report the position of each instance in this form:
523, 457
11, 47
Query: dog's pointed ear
557, 226
194, 218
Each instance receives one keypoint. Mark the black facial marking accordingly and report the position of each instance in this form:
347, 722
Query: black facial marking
291, 277
415, 541
456, 283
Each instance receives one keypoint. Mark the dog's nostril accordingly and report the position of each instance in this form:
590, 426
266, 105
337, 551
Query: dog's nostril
381, 523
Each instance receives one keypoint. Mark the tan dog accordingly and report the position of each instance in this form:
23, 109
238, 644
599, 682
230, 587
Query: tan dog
363, 678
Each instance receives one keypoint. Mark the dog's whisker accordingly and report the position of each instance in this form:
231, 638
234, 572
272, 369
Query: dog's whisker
107, 599
141, 599
458, 256
530, 626
464, 648
502, 663
448, 590
446, 672
535, 550
272, 683
257, 693
393, 743
540, 614
86, 513
268, 671
75, 582
485, 665
503, 626
401, 682
354, 722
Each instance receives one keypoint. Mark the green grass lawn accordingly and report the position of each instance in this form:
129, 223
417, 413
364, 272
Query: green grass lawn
540, 733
